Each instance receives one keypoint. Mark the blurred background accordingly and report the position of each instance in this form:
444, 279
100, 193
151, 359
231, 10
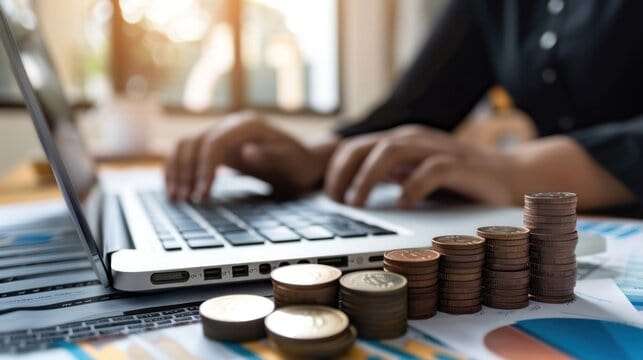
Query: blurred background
143, 73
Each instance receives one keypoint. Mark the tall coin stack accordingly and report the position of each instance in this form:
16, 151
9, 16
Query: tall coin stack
506, 275
375, 302
460, 272
420, 268
311, 284
551, 219
310, 332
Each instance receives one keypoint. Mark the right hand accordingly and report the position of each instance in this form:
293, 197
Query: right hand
246, 143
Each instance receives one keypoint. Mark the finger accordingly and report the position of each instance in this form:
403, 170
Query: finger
384, 157
171, 170
186, 167
344, 165
432, 174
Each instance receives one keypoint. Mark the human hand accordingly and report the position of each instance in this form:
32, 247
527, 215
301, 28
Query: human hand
422, 160
246, 143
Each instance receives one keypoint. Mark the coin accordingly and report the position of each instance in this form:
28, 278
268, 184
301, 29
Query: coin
497, 304
305, 275
461, 265
235, 317
458, 241
412, 257
553, 299
459, 309
537, 219
551, 198
506, 292
373, 282
460, 277
473, 251
463, 258
306, 322
410, 270
502, 232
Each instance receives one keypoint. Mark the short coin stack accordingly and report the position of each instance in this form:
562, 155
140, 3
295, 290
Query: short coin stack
460, 272
506, 275
375, 302
306, 284
235, 317
310, 332
551, 219
420, 268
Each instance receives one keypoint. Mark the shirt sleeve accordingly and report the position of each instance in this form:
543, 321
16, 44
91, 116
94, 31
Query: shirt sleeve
618, 148
444, 83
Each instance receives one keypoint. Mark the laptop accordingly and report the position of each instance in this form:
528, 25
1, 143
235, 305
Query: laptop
139, 241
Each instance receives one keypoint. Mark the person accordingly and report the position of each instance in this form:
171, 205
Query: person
573, 66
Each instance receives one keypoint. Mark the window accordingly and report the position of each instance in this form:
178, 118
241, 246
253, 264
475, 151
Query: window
224, 55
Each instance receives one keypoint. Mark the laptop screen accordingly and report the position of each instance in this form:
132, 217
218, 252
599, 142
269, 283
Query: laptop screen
52, 117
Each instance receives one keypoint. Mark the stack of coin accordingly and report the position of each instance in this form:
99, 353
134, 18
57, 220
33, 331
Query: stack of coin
375, 302
551, 219
310, 332
460, 272
306, 284
420, 267
506, 275
235, 317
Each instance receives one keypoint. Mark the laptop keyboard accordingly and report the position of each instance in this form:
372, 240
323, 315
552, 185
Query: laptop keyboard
248, 223
146, 320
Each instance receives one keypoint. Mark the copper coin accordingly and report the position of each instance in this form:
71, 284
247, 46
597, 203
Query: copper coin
506, 292
512, 248
463, 303
473, 251
553, 299
551, 293
549, 219
410, 270
466, 285
460, 277
562, 273
551, 198
501, 255
560, 211
458, 242
412, 257
415, 316
506, 243
425, 290
553, 251
457, 310
420, 277
505, 285
460, 265
506, 274
505, 298
460, 296
534, 236
504, 267
448, 258
509, 261
464, 270
551, 260
502, 232
549, 229
506, 306
537, 267
422, 284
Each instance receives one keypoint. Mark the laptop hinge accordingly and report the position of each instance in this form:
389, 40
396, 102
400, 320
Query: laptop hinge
114, 229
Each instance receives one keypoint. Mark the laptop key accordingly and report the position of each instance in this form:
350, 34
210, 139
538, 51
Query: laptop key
228, 228
280, 234
345, 229
195, 235
204, 243
240, 238
171, 245
315, 232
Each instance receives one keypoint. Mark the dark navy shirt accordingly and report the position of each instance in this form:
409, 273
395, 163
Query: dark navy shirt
575, 66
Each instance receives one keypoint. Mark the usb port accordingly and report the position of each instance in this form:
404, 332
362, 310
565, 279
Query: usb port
376, 258
339, 261
212, 274
169, 277
240, 271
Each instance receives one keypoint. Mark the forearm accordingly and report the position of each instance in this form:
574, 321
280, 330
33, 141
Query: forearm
558, 163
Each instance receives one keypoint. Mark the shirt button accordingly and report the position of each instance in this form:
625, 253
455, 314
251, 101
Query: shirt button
548, 40
566, 122
555, 6
549, 76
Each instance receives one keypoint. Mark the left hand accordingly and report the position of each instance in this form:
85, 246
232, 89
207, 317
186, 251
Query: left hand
422, 160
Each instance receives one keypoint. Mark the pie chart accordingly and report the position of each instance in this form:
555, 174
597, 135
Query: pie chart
564, 338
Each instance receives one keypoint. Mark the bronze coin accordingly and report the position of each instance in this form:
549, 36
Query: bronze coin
474, 251
412, 257
548, 198
422, 284
509, 249
554, 274
506, 292
537, 267
553, 252
534, 236
421, 277
460, 265
541, 219
463, 303
553, 299
502, 232
424, 290
464, 270
507, 299
458, 242
551, 293
458, 310
506, 243
508, 285
488, 273
460, 296
509, 261
410, 270
551, 260
503, 267
448, 258
548, 229
550, 211
506, 306
460, 277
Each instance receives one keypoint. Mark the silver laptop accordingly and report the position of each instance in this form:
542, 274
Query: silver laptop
139, 241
